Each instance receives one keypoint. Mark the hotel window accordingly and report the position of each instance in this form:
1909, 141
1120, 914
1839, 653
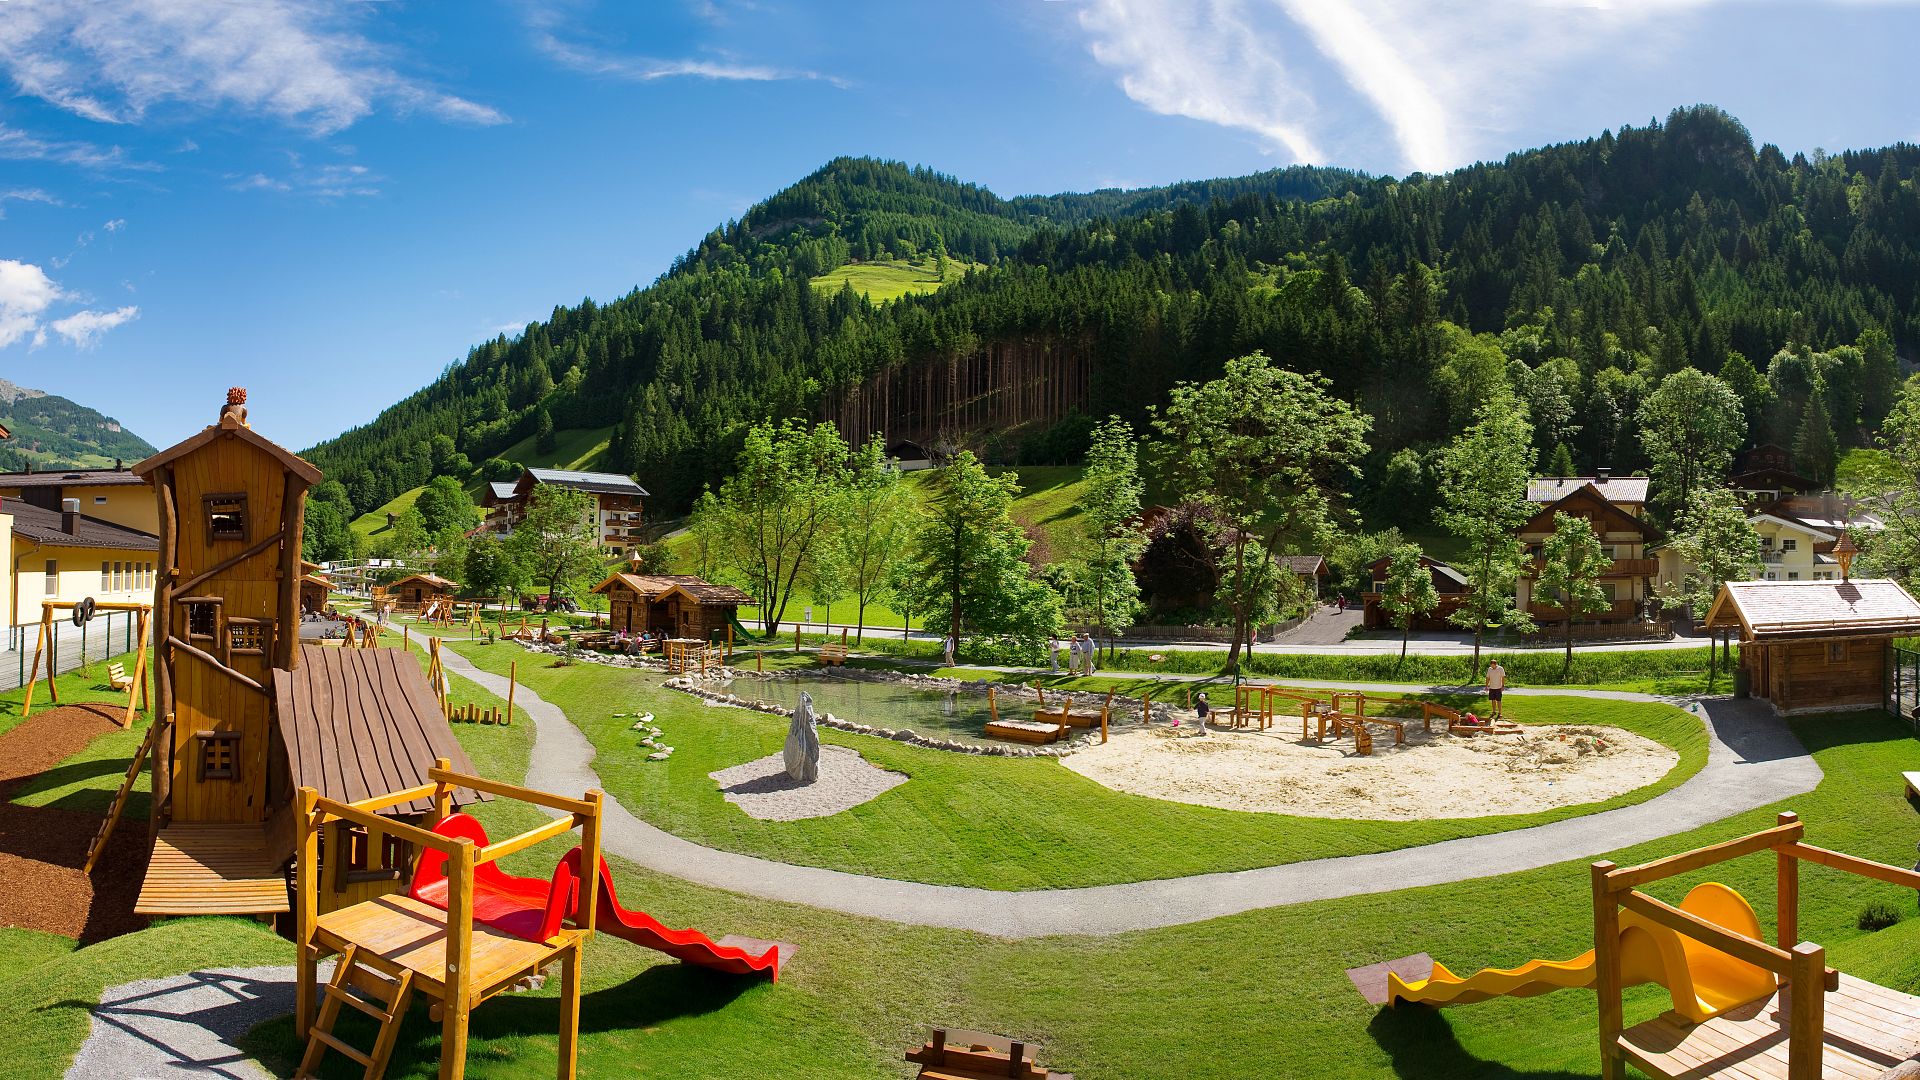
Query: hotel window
106, 577
1789, 545
119, 577
1793, 575
1610, 590
1771, 576
99, 500
52, 583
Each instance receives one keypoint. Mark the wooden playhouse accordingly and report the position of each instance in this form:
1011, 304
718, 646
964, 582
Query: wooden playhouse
1816, 646
416, 591
676, 605
246, 714
315, 587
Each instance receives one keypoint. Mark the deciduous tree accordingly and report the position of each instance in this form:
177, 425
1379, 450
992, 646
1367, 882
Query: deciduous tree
1484, 502
1715, 539
1408, 592
968, 559
1110, 507
1690, 426
1572, 562
876, 514
557, 540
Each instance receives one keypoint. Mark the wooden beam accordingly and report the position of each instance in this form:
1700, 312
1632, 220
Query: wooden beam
292, 521
231, 561
1853, 864
163, 656
1786, 891
1806, 1041
513, 791
500, 849
1607, 976
1635, 876
244, 680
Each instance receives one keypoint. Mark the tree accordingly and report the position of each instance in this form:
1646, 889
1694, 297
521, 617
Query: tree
826, 581
325, 536
776, 513
1408, 592
1484, 503
1690, 426
968, 559
875, 515
557, 540
1561, 463
1110, 507
1895, 490
492, 568
1572, 562
1715, 539
1263, 449
655, 558
403, 539
444, 504
543, 439
1816, 453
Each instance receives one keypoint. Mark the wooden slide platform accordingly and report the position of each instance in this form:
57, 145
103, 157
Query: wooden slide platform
202, 869
398, 933
1869, 1029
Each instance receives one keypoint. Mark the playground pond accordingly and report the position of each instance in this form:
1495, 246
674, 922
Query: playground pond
950, 714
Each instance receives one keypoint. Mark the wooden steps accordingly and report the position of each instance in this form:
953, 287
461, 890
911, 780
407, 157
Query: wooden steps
204, 869
380, 997
100, 838
1869, 1029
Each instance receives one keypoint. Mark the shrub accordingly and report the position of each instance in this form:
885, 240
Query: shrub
1878, 916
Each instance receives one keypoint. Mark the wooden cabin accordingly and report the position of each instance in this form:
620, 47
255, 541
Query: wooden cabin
677, 605
415, 591
1449, 582
315, 587
1816, 646
235, 734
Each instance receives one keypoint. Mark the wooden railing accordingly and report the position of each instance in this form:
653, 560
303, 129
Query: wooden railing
1801, 964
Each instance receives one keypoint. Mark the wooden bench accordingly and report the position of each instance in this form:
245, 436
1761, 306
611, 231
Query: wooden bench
1913, 784
1066, 715
1026, 731
973, 1055
117, 677
833, 653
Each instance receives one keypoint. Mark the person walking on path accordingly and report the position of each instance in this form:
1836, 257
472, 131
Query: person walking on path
947, 645
1053, 651
1496, 685
1087, 653
1073, 654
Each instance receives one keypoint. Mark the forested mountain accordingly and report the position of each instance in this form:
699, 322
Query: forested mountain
51, 432
1580, 273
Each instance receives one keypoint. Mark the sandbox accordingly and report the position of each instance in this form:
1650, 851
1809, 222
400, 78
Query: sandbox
1431, 776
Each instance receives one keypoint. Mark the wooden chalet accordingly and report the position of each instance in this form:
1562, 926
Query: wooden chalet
677, 605
1816, 646
245, 713
415, 591
1312, 570
1449, 582
315, 587
1614, 507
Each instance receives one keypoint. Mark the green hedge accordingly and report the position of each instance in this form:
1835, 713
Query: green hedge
1523, 668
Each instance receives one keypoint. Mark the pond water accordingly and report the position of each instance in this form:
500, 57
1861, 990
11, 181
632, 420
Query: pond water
934, 713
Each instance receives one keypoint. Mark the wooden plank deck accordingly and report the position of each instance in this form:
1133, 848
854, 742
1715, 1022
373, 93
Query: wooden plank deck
1869, 1030
202, 869
397, 933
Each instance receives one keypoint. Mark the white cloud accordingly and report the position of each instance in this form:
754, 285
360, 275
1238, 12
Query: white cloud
26, 296
545, 22
115, 225
19, 145
83, 329
304, 62
32, 195
316, 181
26, 292
1202, 60
1443, 75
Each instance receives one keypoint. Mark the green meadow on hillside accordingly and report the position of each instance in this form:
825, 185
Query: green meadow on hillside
888, 279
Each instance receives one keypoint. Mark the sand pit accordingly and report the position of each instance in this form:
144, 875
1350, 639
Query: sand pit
1438, 776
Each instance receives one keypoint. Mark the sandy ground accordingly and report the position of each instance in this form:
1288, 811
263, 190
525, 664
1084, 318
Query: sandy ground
762, 788
1438, 776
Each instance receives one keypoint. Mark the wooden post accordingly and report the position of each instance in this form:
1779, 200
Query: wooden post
459, 975
1786, 893
590, 861
513, 671
33, 673
760, 659
570, 1003
293, 515
307, 854
138, 689
162, 624
442, 795
1606, 973
796, 638
1806, 1045
993, 705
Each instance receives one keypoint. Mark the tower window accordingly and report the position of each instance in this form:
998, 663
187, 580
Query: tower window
247, 637
226, 517
203, 618
219, 755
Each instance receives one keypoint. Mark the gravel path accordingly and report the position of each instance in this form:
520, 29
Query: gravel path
184, 1025
762, 789
1754, 760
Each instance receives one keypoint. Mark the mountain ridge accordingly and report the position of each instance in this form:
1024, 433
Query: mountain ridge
53, 432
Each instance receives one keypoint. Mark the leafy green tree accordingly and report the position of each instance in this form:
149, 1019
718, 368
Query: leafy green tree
1262, 448
557, 539
1816, 453
449, 547
777, 512
654, 558
543, 438
826, 580
326, 536
1408, 592
1690, 426
876, 513
1572, 562
405, 538
1717, 544
1484, 503
444, 504
492, 568
968, 559
1110, 508
1894, 487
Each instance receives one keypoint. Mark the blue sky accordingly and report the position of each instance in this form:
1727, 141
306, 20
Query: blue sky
329, 202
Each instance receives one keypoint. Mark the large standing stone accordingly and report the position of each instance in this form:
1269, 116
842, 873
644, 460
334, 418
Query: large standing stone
803, 743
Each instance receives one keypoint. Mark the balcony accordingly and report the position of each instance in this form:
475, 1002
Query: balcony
1772, 558
1618, 611
1617, 568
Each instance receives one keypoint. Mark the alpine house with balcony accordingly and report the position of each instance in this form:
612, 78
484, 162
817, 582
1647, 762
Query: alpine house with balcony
1616, 507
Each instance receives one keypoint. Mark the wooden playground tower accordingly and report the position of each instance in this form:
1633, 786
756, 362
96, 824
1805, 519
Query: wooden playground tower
393, 947
1820, 1023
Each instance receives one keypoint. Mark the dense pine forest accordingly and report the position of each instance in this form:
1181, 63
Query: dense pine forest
51, 432
1581, 274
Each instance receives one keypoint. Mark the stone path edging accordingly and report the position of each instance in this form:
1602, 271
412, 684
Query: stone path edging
1753, 760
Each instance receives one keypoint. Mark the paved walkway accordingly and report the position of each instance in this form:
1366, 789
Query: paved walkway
1754, 760
183, 1025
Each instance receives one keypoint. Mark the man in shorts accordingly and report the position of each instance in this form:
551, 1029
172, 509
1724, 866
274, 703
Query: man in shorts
1496, 685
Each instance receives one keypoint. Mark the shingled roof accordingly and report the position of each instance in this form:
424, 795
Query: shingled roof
48, 528
1783, 609
71, 478
1617, 489
654, 586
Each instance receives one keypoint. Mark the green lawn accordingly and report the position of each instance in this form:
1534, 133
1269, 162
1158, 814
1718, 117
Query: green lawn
999, 823
890, 279
575, 448
376, 519
74, 686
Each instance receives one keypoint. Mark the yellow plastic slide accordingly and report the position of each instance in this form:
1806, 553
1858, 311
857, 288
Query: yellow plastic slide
1702, 980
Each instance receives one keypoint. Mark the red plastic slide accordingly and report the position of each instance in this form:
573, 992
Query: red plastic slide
534, 909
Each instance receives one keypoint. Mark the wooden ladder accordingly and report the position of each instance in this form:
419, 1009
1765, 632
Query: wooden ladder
99, 845
390, 993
